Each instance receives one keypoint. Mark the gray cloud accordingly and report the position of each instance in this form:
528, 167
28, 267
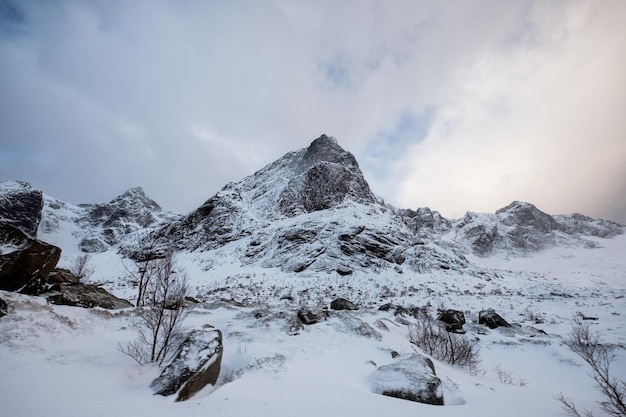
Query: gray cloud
459, 105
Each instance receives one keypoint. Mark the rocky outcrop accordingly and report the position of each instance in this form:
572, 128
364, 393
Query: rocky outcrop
425, 223
4, 308
343, 304
410, 378
21, 206
24, 262
108, 223
491, 319
195, 365
453, 319
85, 295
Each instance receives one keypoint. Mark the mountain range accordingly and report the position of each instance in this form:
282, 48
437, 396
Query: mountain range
310, 211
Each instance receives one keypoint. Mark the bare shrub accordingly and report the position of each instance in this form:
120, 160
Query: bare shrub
158, 321
506, 377
453, 348
587, 344
80, 266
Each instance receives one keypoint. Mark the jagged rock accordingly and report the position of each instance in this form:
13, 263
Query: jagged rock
24, 261
85, 295
454, 320
196, 365
308, 317
59, 275
343, 304
108, 223
410, 378
4, 308
21, 206
491, 319
425, 223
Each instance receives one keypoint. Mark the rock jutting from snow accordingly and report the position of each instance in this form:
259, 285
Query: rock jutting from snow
21, 206
454, 320
343, 304
4, 308
410, 378
491, 319
196, 365
24, 261
85, 295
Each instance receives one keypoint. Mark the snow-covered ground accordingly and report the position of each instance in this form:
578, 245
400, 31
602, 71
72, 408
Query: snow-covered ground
65, 361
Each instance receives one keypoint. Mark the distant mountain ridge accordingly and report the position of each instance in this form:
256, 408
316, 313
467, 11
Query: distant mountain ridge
311, 210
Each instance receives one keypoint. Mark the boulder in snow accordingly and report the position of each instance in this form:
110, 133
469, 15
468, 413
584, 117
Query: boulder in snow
343, 304
410, 378
24, 260
196, 365
85, 295
491, 319
454, 320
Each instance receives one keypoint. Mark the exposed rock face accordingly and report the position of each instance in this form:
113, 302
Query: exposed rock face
454, 320
521, 228
410, 378
110, 222
196, 365
323, 177
4, 308
343, 304
491, 319
24, 261
21, 206
85, 295
426, 223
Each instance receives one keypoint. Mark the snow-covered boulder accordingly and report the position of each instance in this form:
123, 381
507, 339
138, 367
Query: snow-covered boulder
196, 365
492, 319
410, 378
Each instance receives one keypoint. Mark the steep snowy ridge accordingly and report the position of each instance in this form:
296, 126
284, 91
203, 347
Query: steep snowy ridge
312, 210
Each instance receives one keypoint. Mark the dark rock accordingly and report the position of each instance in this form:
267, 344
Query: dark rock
4, 308
85, 295
344, 270
308, 317
29, 261
385, 307
454, 320
59, 275
343, 304
196, 365
425, 223
491, 319
21, 206
410, 378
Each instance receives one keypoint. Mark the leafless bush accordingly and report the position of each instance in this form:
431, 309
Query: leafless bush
80, 266
453, 348
587, 344
506, 377
158, 321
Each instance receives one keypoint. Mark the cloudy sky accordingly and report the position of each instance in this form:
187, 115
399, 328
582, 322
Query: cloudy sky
456, 105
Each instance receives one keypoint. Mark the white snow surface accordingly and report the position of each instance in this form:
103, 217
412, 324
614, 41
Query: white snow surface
65, 361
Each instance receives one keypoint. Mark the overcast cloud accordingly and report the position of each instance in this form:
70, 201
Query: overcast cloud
455, 105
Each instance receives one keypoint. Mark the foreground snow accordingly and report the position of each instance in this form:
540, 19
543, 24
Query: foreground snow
64, 361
